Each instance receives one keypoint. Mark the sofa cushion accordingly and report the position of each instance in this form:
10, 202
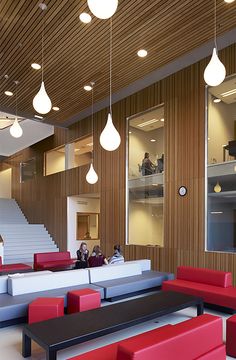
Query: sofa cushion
60, 279
13, 307
205, 276
201, 335
210, 294
109, 272
52, 256
108, 352
216, 354
144, 263
54, 264
127, 285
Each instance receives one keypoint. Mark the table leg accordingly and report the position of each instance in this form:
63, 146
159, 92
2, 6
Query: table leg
51, 355
26, 345
200, 308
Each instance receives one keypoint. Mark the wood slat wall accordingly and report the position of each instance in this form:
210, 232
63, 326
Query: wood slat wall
44, 198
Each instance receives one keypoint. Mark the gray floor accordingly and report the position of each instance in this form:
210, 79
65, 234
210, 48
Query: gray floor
10, 337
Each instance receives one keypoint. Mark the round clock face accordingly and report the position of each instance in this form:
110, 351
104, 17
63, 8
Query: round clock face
182, 191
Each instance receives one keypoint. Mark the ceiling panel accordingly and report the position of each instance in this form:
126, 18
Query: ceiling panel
76, 53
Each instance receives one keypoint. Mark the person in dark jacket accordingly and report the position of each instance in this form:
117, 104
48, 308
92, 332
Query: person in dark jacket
82, 256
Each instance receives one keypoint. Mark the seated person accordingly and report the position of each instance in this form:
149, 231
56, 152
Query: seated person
148, 167
82, 256
160, 164
117, 257
97, 258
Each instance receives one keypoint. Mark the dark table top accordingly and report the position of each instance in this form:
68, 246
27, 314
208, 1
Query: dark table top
83, 326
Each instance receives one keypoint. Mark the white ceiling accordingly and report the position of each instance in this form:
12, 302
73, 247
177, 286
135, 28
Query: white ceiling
153, 116
33, 132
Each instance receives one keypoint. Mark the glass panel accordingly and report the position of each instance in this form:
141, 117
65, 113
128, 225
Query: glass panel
55, 160
145, 178
87, 226
221, 167
28, 170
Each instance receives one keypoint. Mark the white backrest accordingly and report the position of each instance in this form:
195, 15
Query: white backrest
43, 282
110, 272
144, 263
3, 284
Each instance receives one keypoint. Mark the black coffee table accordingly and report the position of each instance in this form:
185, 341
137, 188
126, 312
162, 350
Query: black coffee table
60, 333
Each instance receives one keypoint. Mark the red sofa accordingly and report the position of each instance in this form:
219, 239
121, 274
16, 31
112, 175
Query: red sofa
198, 338
215, 287
50, 260
13, 267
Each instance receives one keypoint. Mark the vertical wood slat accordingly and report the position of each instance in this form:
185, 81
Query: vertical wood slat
44, 198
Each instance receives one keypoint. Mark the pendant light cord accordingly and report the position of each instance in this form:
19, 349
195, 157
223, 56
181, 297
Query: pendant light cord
16, 82
42, 46
111, 66
92, 118
215, 26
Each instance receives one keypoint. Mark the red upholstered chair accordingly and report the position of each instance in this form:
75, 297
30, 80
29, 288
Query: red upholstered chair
230, 336
82, 300
45, 308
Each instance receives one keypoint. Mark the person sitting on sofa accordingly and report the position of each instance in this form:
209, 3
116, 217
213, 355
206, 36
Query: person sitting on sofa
82, 256
97, 258
117, 257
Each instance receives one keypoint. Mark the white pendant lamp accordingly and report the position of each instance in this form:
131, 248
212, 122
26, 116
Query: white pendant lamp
41, 102
91, 176
215, 72
103, 9
16, 130
110, 138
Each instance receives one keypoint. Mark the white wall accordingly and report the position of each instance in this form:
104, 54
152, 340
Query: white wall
145, 224
220, 129
139, 143
5, 184
78, 204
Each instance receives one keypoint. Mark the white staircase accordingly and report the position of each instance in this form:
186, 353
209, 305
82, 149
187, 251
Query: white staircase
21, 239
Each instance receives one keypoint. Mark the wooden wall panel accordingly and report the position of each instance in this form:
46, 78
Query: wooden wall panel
44, 198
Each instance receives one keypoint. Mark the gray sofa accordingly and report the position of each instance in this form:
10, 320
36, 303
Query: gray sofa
112, 281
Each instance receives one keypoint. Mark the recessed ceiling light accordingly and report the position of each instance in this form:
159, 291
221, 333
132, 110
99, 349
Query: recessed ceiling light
85, 18
55, 108
228, 93
90, 144
162, 120
148, 122
38, 116
217, 100
88, 87
36, 66
229, 1
153, 140
8, 93
130, 132
216, 212
142, 53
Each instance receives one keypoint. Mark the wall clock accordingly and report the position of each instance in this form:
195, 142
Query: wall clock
182, 191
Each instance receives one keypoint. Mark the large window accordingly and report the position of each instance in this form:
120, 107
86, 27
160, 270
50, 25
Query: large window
145, 178
221, 167
68, 156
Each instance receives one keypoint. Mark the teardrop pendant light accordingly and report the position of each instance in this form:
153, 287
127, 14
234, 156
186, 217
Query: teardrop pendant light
41, 102
103, 9
217, 187
91, 176
16, 130
215, 72
110, 137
